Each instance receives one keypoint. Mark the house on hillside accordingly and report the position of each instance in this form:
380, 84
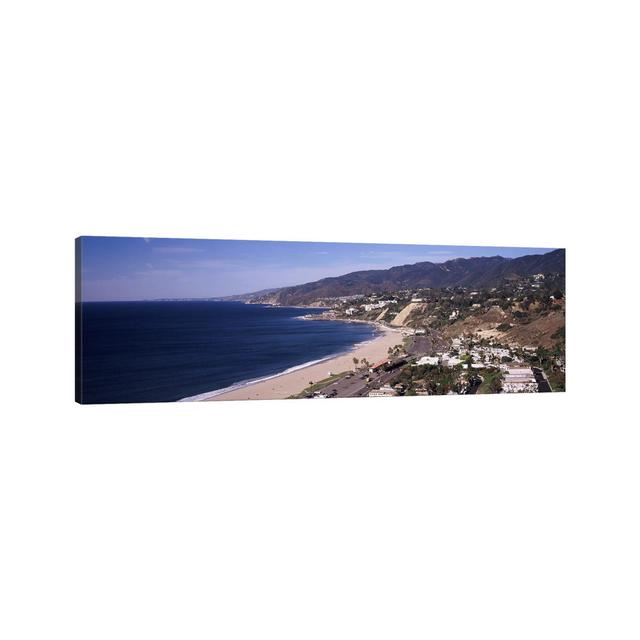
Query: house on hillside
375, 305
519, 380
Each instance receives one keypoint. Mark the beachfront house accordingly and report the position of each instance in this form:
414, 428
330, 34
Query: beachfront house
379, 365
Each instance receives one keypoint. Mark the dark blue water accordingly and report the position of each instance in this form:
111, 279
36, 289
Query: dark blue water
166, 351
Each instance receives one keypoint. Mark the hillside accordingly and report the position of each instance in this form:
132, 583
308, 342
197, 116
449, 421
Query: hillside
538, 329
401, 318
466, 272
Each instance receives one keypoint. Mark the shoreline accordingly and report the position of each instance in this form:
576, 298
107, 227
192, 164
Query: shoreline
292, 381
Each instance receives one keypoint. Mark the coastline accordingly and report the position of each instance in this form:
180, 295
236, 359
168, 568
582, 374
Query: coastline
293, 381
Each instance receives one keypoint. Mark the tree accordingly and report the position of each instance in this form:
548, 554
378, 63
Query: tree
355, 362
541, 354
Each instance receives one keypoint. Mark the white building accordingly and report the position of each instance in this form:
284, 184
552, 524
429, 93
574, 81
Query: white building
432, 360
519, 380
351, 310
377, 305
383, 392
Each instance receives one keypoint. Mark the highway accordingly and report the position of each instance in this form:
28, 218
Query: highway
356, 385
541, 379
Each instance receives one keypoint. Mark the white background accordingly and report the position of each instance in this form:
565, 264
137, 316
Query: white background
496, 123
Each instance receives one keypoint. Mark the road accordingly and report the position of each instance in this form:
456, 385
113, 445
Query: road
541, 379
356, 386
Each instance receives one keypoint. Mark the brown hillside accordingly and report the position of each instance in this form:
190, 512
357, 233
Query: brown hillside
535, 333
411, 309
538, 332
485, 322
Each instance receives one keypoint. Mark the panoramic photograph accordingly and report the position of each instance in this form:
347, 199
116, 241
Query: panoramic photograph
168, 320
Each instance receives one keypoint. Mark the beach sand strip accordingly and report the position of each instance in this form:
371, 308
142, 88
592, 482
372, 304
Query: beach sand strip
288, 384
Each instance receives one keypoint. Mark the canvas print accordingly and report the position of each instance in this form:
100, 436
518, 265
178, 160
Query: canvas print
165, 320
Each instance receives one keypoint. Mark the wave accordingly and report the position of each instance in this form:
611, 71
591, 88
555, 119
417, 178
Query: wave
246, 383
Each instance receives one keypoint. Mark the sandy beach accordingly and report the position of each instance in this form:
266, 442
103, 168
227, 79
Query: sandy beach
288, 384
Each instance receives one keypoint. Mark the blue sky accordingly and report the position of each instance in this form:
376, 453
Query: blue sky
148, 268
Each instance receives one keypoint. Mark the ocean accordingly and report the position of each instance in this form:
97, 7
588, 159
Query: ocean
168, 351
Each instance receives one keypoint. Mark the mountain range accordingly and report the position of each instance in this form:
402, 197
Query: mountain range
465, 272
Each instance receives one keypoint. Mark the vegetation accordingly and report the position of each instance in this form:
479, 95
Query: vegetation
556, 378
551, 361
527, 310
491, 381
394, 352
434, 380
